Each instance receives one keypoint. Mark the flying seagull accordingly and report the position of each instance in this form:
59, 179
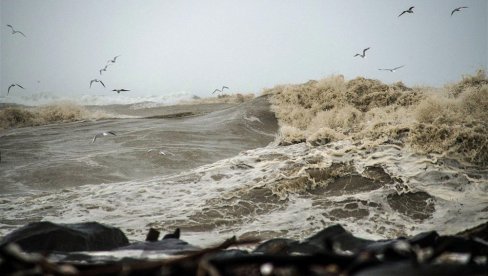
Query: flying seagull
13, 85
101, 134
14, 31
113, 60
393, 69
96, 80
410, 10
160, 152
457, 9
104, 68
120, 90
364, 53
220, 90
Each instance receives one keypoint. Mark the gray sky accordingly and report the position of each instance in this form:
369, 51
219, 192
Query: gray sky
196, 46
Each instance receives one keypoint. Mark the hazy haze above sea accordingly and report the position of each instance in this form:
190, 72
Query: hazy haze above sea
171, 49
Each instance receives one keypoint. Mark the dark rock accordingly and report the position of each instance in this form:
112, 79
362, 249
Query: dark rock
425, 239
407, 269
452, 244
152, 235
480, 231
277, 246
174, 235
330, 239
47, 236
170, 245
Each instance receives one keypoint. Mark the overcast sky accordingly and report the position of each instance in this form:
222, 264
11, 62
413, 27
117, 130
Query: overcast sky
196, 46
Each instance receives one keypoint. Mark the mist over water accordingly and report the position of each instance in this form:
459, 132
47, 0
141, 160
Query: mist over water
381, 159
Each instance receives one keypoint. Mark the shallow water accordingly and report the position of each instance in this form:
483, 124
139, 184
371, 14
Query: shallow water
224, 174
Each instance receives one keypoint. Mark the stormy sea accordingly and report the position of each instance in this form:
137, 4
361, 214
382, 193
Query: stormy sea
383, 160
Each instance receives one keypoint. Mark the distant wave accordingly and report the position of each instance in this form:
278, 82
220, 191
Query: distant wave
43, 98
55, 113
452, 120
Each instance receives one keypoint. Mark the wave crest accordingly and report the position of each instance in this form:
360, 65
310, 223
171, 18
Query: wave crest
451, 120
55, 113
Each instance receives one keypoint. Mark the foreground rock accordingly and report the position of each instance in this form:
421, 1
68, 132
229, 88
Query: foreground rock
47, 237
332, 251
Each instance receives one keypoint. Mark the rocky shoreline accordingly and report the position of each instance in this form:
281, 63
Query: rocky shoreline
45, 248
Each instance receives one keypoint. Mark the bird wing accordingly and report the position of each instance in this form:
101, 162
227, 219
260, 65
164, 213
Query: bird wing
20, 33
10, 26
91, 82
411, 8
402, 13
12, 85
224, 87
364, 51
111, 132
216, 91
356, 55
100, 71
20, 86
101, 83
397, 67
457, 9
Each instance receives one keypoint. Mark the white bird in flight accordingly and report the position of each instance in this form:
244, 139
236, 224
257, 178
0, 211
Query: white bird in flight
113, 60
410, 10
160, 152
120, 90
96, 80
101, 134
364, 53
220, 90
13, 85
393, 69
457, 9
14, 31
104, 68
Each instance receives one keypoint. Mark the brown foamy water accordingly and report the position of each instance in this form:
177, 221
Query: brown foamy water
382, 160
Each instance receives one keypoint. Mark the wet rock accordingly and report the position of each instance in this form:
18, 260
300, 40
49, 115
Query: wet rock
166, 245
329, 240
480, 231
424, 239
152, 235
452, 244
277, 246
47, 236
406, 268
174, 235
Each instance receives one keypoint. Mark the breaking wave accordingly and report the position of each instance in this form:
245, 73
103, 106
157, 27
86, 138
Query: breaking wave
61, 112
450, 120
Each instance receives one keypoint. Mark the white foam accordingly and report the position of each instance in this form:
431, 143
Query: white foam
143, 101
229, 191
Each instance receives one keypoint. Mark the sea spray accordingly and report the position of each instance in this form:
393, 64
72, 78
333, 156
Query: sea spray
452, 121
60, 112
